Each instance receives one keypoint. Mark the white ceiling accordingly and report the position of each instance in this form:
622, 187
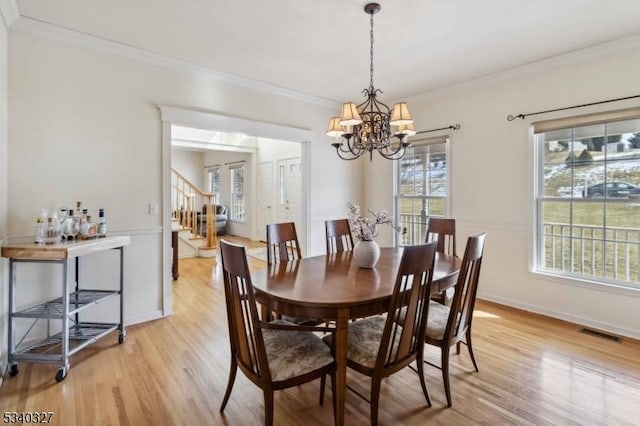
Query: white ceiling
321, 47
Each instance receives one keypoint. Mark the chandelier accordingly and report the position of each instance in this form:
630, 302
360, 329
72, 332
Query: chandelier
367, 127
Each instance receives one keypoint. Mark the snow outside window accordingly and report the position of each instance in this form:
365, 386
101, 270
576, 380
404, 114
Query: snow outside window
588, 201
422, 188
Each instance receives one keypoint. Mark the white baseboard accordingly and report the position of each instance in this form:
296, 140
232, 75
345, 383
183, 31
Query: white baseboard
587, 322
149, 316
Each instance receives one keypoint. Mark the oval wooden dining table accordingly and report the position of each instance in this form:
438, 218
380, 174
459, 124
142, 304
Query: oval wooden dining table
333, 287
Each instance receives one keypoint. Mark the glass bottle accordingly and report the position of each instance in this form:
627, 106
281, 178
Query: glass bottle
88, 229
70, 226
102, 224
38, 231
52, 232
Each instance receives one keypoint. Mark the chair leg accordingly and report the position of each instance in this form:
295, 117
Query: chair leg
375, 398
425, 391
268, 407
232, 378
445, 374
323, 380
333, 397
473, 358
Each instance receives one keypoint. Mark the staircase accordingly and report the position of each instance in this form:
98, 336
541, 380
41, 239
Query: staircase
192, 213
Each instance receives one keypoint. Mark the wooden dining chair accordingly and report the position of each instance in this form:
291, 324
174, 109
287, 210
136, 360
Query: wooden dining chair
443, 232
282, 242
380, 346
338, 235
275, 355
447, 326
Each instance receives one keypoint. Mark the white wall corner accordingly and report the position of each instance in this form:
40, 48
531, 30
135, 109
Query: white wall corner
10, 12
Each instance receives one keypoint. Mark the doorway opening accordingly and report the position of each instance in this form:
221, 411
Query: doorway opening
257, 171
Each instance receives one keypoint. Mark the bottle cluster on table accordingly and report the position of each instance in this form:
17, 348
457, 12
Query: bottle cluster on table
69, 224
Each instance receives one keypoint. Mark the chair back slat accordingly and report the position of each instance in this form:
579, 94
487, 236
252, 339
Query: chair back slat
282, 243
247, 344
443, 231
338, 235
401, 343
466, 288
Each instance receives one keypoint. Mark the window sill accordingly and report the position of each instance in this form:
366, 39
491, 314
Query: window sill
611, 288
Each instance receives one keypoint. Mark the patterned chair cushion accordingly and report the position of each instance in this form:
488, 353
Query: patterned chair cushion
437, 322
294, 353
364, 340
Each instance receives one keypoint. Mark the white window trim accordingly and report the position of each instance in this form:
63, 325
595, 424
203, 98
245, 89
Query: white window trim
611, 287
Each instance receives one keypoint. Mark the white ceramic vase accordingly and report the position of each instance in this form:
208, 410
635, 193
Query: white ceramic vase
366, 253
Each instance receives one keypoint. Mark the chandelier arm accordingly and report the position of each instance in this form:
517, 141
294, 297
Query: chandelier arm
398, 154
341, 156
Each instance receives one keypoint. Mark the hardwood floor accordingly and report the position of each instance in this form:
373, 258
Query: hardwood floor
533, 371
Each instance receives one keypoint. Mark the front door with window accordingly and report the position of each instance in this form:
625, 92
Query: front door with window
290, 191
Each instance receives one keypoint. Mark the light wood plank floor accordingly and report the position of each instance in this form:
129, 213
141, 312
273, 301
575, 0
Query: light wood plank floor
533, 371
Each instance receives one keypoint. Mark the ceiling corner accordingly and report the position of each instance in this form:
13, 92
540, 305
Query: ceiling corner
9, 11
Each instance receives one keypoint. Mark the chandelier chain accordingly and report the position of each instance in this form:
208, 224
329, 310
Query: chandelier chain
371, 54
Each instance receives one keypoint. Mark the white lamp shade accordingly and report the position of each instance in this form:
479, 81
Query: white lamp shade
350, 116
406, 129
400, 115
335, 129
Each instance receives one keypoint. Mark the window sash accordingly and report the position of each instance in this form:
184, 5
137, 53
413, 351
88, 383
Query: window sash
425, 196
580, 236
237, 193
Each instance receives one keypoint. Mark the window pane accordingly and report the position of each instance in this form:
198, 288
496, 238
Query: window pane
412, 220
593, 229
237, 194
422, 175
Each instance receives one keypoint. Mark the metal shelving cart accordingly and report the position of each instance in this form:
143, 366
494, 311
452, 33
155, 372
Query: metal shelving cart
74, 334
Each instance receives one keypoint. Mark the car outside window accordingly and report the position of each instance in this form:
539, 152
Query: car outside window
588, 202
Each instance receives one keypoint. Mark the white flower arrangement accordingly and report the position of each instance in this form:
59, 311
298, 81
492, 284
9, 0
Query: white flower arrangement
366, 228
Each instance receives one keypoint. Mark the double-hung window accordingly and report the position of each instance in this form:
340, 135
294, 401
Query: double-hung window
213, 179
422, 187
237, 193
588, 197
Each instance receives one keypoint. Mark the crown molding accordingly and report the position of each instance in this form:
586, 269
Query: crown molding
576, 56
32, 26
9, 11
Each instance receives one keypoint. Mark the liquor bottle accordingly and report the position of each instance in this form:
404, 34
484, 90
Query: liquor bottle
84, 216
52, 232
70, 226
102, 224
88, 229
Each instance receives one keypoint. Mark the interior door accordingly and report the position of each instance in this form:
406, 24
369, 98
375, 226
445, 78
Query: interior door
290, 191
264, 198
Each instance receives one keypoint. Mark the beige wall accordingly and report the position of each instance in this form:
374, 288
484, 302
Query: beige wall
85, 124
492, 179
189, 164
3, 195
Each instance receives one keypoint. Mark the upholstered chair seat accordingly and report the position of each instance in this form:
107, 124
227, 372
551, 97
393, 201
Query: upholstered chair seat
364, 339
436, 322
294, 353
